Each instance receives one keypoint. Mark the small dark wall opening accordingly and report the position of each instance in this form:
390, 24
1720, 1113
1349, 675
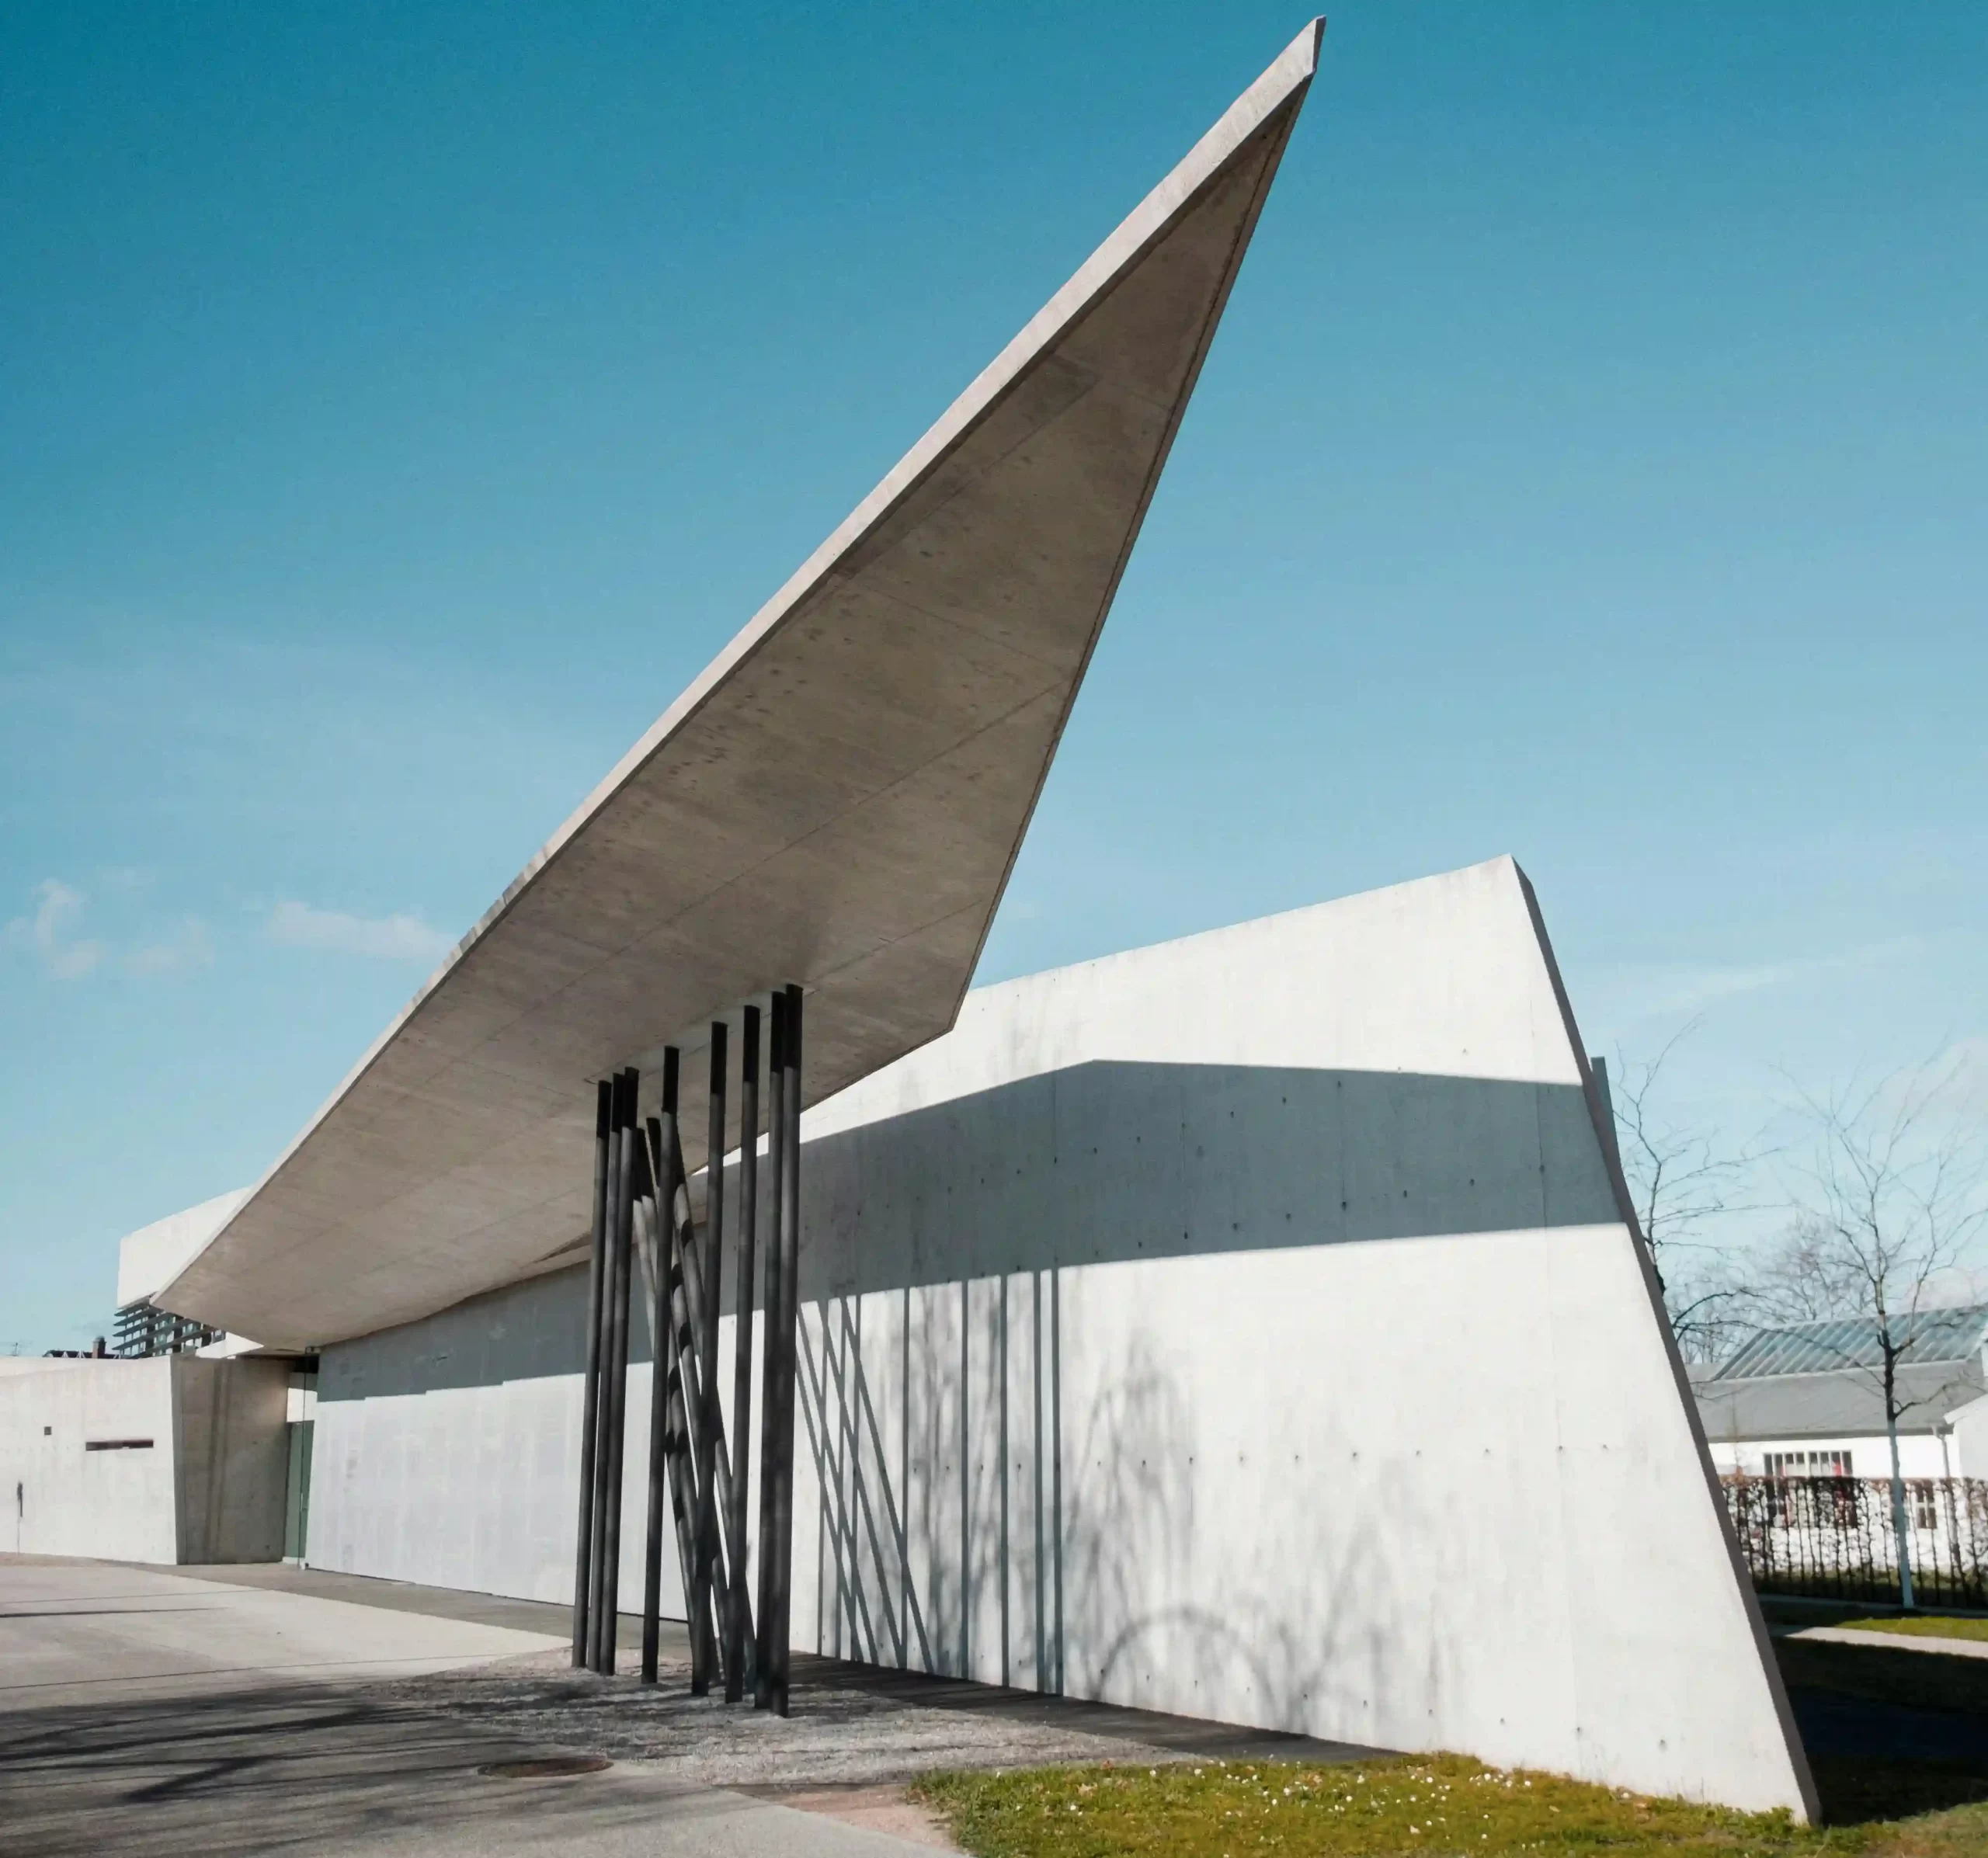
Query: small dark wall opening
299, 1431
297, 1495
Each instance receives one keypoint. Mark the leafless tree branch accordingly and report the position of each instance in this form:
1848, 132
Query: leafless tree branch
1683, 1180
1891, 1195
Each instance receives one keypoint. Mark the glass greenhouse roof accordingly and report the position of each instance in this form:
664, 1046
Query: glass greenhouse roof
1818, 1348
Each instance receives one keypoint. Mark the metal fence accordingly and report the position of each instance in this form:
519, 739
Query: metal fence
1832, 1537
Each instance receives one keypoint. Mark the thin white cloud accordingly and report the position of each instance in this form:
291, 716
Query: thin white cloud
49, 933
191, 946
1954, 1082
1660, 992
400, 937
1968, 1055
1690, 990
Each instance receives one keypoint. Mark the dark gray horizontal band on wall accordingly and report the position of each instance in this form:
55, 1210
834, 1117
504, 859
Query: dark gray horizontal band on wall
117, 1445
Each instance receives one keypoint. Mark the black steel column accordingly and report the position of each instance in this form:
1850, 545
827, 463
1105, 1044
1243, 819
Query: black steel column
762, 1694
737, 1634
710, 1569
590, 1407
684, 1443
656, 1173
684, 1499
663, 1141
689, 1410
618, 1385
597, 1568
782, 1545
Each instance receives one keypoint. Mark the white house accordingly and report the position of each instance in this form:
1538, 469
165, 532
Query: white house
1808, 1400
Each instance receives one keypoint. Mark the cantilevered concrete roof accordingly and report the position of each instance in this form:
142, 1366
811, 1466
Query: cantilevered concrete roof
837, 801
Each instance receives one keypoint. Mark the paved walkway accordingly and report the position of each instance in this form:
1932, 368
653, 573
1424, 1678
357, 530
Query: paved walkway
999, 1725
74, 1631
1892, 1641
269, 1709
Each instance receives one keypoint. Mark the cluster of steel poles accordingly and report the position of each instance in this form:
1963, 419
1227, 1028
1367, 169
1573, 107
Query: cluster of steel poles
697, 1488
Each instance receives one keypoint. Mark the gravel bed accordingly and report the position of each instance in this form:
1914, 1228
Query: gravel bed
835, 1737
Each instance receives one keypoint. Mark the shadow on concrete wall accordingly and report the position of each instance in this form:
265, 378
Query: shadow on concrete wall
1099, 1163
973, 1518
982, 1527
1129, 1525
972, 1522
1108, 1161
525, 1332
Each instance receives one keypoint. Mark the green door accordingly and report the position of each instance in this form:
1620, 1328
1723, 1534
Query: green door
297, 1506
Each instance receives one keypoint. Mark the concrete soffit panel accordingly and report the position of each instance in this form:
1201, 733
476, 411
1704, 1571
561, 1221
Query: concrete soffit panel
155, 1254
837, 801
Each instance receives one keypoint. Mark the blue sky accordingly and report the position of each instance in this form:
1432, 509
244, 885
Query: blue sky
401, 404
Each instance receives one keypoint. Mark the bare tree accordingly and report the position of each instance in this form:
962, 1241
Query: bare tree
1888, 1204
1682, 1180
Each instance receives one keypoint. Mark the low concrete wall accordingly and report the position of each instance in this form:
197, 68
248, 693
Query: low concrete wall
61, 1497
1247, 1327
166, 1461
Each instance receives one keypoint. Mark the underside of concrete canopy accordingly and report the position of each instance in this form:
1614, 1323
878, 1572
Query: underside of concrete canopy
836, 802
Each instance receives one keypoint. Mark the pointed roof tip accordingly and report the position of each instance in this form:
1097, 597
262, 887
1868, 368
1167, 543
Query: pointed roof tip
1280, 85
935, 791
1297, 61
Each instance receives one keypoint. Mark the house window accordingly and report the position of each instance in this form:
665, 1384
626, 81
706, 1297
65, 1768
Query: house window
1809, 1464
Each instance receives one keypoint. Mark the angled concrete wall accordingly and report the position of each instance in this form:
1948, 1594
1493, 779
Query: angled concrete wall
1246, 1327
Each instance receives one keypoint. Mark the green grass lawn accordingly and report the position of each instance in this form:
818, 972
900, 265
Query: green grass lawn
1919, 1625
1440, 1805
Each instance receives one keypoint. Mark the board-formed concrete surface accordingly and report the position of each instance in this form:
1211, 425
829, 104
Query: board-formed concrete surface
1249, 1328
836, 801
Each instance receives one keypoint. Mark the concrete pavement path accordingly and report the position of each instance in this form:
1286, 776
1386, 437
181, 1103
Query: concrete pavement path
146, 1713
1893, 1641
69, 1631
